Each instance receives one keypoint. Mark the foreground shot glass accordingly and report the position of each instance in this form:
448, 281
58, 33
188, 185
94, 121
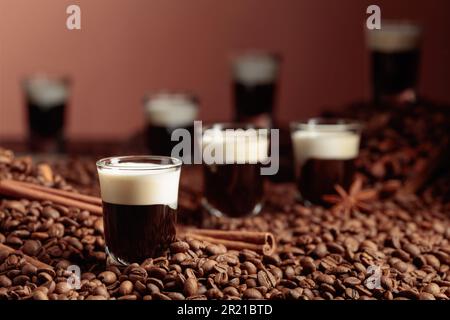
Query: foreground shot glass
140, 198
233, 184
46, 99
324, 154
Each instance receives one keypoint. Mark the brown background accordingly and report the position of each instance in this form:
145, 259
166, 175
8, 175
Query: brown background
129, 47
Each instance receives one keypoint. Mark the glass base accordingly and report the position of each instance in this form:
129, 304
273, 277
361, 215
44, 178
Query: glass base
217, 213
112, 260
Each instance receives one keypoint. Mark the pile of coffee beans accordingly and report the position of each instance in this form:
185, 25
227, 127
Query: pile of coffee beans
398, 247
398, 250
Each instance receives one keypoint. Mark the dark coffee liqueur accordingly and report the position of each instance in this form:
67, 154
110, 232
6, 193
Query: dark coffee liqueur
234, 186
323, 160
165, 113
135, 233
318, 177
46, 101
254, 85
139, 206
395, 60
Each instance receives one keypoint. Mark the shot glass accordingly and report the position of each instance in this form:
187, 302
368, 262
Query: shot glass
165, 112
324, 155
140, 199
46, 100
233, 155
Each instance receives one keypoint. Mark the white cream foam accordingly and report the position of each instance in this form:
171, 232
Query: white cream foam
46, 93
171, 110
133, 184
235, 146
394, 37
328, 145
255, 69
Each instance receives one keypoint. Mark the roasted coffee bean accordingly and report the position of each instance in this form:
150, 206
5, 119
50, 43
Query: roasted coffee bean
50, 213
107, 277
126, 287
252, 294
266, 279
190, 287
179, 246
432, 288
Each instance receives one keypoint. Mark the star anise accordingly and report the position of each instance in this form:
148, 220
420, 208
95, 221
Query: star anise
356, 199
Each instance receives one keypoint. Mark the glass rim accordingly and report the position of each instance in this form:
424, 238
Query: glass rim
106, 163
55, 78
250, 53
399, 25
320, 123
222, 126
190, 96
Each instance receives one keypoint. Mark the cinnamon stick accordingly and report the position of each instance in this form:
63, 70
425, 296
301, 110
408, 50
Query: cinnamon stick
38, 264
11, 188
63, 193
262, 242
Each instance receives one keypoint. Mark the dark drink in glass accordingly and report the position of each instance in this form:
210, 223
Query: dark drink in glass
166, 112
46, 104
395, 50
233, 184
140, 198
255, 77
324, 154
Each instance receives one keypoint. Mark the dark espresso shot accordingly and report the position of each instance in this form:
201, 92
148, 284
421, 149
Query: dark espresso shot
140, 197
233, 184
318, 177
165, 113
159, 138
324, 155
253, 100
235, 189
395, 53
136, 232
394, 72
46, 103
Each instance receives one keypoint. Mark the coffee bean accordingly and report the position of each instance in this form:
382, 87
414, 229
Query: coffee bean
56, 230
50, 213
252, 294
31, 247
351, 293
321, 250
215, 249
432, 288
96, 298
231, 291
190, 287
107, 277
412, 249
128, 297
324, 278
308, 265
426, 296
266, 279
5, 281
179, 246
126, 288
39, 295
63, 287
351, 281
